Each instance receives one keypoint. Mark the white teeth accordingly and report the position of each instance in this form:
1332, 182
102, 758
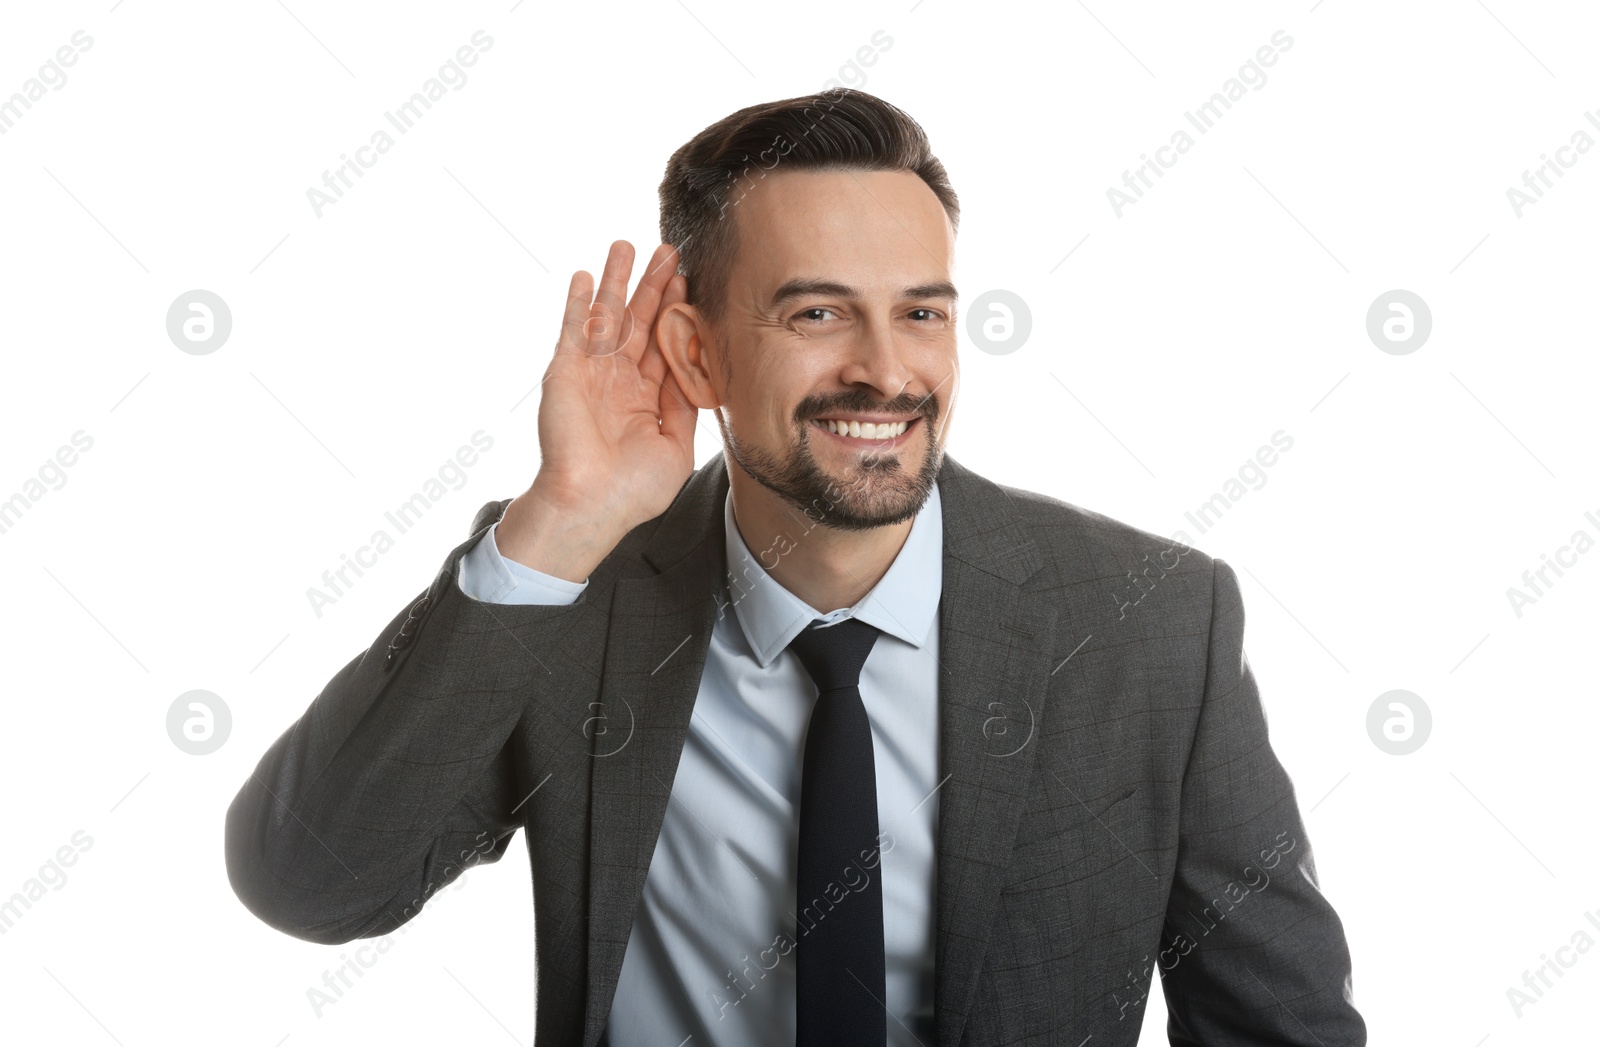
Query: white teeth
868, 431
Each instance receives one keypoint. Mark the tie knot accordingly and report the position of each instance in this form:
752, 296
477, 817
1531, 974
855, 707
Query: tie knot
834, 654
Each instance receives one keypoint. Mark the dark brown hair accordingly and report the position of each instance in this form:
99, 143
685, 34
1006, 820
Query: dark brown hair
838, 129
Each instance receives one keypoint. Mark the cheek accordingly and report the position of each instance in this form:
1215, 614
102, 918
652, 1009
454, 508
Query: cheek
768, 389
754, 407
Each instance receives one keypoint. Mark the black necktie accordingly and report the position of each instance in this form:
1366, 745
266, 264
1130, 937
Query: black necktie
839, 955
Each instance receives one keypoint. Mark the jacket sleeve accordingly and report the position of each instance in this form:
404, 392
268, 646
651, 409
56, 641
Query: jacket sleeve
1252, 953
402, 772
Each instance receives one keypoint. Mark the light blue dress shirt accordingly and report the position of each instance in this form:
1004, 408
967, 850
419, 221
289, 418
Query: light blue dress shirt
711, 950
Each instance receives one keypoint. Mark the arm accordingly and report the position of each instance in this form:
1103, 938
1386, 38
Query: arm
398, 777
403, 771
1252, 953
488, 576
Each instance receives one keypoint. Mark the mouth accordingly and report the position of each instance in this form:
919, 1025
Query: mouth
875, 435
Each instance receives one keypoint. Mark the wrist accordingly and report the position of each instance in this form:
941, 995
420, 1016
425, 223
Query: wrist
554, 537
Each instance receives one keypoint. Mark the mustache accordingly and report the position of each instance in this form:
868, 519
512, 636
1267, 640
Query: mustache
811, 409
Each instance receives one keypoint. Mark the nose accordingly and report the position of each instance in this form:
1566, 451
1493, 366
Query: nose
875, 360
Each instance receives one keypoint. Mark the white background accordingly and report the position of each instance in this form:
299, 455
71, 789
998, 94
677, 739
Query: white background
1167, 345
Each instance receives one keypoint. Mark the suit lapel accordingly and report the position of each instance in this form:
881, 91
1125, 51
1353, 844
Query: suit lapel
994, 653
660, 631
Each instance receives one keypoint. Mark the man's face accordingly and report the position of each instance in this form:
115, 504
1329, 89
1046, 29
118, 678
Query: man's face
840, 306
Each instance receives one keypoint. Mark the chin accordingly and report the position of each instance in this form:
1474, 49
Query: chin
866, 492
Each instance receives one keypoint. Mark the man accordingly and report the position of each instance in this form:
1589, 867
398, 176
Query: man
831, 740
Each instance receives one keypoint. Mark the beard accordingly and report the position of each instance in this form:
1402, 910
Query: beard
877, 489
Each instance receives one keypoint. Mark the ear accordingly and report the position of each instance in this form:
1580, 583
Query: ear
686, 340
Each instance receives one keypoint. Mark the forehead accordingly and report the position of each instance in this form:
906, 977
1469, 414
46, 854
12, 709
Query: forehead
871, 229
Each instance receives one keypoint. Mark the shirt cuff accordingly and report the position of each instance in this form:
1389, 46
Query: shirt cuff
489, 577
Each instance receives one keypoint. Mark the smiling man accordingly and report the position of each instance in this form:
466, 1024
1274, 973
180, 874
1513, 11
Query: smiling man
830, 740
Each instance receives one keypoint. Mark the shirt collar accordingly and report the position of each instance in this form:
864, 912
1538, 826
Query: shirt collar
902, 604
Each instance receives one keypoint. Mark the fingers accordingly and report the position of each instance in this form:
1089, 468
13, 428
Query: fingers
598, 324
604, 328
639, 321
652, 363
677, 289
660, 271
579, 293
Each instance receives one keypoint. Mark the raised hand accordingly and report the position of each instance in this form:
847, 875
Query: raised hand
616, 434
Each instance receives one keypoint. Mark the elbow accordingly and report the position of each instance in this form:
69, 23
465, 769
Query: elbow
282, 891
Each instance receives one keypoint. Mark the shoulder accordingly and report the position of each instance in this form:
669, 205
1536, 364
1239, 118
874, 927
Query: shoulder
1071, 533
1108, 569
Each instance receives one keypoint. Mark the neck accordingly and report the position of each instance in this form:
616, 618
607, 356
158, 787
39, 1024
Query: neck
826, 567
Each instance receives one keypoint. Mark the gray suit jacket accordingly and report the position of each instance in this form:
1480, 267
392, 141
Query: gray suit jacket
1110, 805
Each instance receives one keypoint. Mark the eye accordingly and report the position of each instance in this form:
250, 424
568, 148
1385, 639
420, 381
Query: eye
927, 314
806, 314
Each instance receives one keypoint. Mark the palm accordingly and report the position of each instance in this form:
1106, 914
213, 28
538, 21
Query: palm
615, 430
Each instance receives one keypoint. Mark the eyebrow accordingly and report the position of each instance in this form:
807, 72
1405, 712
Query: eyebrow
804, 288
